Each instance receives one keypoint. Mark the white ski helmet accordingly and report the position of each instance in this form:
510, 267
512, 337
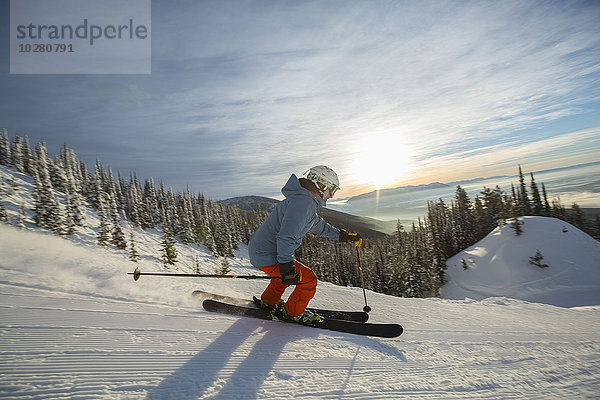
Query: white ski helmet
325, 178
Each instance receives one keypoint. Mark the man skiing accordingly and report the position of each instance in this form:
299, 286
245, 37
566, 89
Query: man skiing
272, 246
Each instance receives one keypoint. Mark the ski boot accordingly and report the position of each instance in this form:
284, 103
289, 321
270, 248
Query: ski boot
306, 318
260, 303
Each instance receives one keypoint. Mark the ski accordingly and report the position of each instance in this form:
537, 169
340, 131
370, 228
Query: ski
357, 328
356, 316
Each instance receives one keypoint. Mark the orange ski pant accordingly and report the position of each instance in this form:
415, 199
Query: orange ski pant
302, 294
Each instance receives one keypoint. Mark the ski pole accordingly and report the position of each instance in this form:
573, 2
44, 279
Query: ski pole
366, 308
137, 273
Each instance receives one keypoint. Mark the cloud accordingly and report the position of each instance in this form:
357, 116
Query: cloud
244, 93
561, 150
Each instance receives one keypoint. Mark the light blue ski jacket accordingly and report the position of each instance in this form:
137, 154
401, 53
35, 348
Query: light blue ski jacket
282, 232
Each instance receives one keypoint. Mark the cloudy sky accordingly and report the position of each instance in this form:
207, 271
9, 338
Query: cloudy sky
388, 93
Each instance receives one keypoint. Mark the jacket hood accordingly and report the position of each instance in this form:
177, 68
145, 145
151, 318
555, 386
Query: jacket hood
293, 187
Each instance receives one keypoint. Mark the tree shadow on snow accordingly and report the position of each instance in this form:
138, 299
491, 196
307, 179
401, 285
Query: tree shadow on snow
206, 373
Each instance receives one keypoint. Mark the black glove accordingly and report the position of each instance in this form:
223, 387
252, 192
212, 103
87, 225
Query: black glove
350, 237
288, 273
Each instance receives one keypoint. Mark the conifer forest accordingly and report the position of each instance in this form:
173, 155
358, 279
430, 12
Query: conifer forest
408, 263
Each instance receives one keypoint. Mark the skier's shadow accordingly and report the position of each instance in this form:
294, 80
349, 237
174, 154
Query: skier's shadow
206, 373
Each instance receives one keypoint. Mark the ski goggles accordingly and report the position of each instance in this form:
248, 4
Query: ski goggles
322, 184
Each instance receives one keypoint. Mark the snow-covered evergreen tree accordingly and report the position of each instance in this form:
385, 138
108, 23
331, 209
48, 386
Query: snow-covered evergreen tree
48, 212
3, 212
104, 232
537, 260
516, 225
150, 217
522, 198
134, 203
224, 268
133, 253
21, 217
547, 208
16, 154
117, 235
5, 158
168, 251
73, 191
577, 217
536, 198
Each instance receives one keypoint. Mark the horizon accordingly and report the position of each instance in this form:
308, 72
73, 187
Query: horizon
333, 201
388, 95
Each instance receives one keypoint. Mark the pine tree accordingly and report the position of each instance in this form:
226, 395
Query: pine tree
104, 230
5, 158
516, 225
222, 234
27, 157
96, 194
133, 253
538, 206
74, 199
134, 203
547, 209
224, 268
169, 253
577, 218
21, 217
70, 226
185, 218
513, 203
118, 237
47, 207
464, 264
197, 264
87, 183
3, 212
537, 260
558, 210
149, 217
523, 198
16, 154
463, 217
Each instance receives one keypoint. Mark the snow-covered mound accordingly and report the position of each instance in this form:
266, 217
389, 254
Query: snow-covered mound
502, 264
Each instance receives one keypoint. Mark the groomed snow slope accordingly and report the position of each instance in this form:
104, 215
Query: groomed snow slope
499, 265
74, 325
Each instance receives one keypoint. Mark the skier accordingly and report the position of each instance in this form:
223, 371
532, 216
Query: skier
271, 247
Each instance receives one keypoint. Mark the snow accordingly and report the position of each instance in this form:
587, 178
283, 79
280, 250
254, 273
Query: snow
74, 325
499, 265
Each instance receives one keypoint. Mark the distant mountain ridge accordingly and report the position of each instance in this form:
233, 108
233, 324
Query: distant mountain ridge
436, 185
398, 190
367, 227
251, 203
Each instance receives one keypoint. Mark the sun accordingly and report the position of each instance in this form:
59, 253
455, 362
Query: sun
381, 160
